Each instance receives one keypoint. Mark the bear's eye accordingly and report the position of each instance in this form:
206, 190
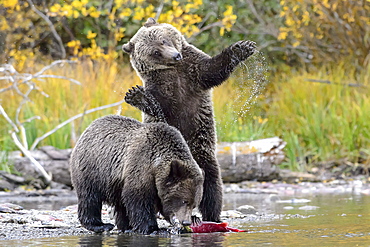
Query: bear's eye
157, 53
185, 202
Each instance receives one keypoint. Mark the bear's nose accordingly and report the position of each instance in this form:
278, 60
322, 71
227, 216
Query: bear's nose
186, 223
177, 57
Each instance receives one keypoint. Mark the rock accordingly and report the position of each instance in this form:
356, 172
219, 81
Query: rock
10, 181
247, 209
232, 214
12, 178
295, 177
5, 185
54, 161
10, 208
307, 208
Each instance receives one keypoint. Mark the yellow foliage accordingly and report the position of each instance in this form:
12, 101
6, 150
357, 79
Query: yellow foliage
342, 26
77, 4
282, 35
125, 13
3, 24
10, 3
93, 12
90, 35
106, 31
55, 8
229, 18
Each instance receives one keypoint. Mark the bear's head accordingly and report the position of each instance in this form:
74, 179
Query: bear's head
180, 191
155, 46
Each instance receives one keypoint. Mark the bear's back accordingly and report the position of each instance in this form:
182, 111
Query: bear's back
115, 135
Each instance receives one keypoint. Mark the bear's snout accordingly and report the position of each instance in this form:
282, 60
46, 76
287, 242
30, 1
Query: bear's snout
171, 54
177, 57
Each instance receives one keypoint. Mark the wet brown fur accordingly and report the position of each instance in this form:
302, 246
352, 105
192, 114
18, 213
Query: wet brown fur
138, 168
178, 91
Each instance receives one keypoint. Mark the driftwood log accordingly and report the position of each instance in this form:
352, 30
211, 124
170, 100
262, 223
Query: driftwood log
239, 161
54, 161
254, 160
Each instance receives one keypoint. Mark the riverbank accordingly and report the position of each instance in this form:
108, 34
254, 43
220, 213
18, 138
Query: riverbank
25, 218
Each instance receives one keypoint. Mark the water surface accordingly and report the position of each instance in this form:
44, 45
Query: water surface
323, 220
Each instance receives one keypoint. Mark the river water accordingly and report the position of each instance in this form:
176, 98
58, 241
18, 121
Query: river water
308, 219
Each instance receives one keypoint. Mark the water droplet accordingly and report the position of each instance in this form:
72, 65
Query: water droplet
250, 80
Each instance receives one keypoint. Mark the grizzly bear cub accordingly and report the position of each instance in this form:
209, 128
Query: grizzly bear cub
139, 169
178, 79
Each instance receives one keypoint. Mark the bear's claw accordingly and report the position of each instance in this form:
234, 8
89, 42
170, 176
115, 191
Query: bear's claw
135, 95
195, 220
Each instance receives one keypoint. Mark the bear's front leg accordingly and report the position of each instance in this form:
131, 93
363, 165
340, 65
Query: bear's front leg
145, 102
216, 70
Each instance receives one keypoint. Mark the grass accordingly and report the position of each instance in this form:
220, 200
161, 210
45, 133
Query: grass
318, 121
102, 84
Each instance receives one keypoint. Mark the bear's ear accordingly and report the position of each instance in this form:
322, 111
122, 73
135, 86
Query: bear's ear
178, 170
150, 22
128, 47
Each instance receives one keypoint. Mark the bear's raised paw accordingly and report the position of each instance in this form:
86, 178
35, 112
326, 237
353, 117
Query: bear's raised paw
135, 96
243, 49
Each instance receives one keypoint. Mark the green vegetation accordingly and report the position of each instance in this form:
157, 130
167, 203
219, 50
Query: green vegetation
319, 121
309, 85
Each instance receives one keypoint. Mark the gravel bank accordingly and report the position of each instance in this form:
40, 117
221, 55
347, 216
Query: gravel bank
19, 223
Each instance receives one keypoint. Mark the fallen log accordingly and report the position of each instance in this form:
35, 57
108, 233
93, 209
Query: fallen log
54, 161
239, 161
253, 160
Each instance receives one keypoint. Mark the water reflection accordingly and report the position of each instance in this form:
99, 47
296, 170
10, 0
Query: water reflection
125, 240
333, 220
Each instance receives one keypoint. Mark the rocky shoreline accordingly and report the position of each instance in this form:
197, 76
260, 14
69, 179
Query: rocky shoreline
19, 223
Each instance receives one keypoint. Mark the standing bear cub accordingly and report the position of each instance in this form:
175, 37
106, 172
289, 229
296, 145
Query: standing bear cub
178, 79
139, 169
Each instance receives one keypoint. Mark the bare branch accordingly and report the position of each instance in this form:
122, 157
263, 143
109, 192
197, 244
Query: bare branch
28, 120
159, 10
336, 83
51, 26
5, 77
8, 67
6, 88
52, 65
23, 136
24, 101
255, 13
60, 77
7, 118
210, 26
46, 177
37, 140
